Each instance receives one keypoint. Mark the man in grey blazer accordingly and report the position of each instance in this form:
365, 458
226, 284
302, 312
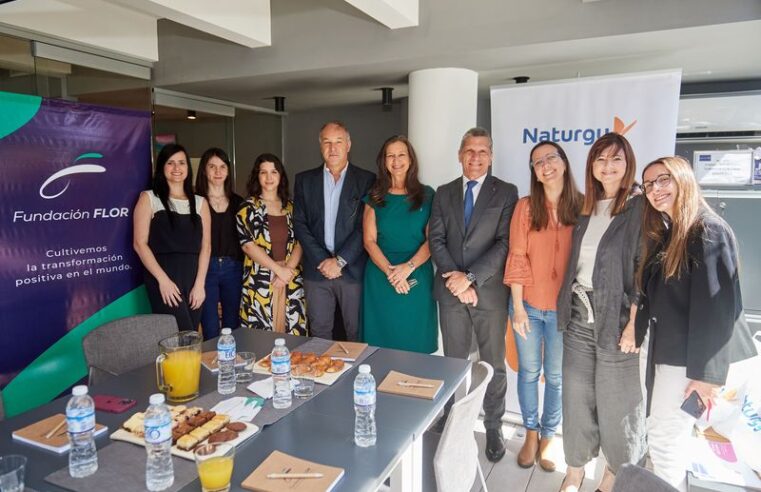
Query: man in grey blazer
468, 235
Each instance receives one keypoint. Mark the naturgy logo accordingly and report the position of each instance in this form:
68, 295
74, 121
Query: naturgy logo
585, 135
78, 169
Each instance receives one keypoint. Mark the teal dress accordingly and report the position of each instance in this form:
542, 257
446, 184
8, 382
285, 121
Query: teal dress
400, 321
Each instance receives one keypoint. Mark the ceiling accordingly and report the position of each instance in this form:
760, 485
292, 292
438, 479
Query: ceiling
325, 53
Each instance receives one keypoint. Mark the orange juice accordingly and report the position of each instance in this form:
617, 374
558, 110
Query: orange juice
182, 370
215, 473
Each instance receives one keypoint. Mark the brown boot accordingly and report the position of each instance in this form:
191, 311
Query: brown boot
527, 455
543, 456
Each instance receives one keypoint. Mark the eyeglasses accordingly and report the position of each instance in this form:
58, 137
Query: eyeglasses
551, 159
662, 180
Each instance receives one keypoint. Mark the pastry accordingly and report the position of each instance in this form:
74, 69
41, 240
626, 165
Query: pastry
187, 442
220, 417
135, 424
200, 433
236, 426
319, 371
223, 436
296, 357
213, 426
335, 366
301, 369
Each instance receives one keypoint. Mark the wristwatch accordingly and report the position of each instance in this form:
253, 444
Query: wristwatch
470, 276
341, 262
411, 265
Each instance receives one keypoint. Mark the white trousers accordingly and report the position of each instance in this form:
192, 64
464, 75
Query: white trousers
669, 427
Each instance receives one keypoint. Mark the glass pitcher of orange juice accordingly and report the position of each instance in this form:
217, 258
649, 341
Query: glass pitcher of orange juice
178, 367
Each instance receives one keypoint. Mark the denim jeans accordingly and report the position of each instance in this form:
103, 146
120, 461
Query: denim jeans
224, 283
544, 332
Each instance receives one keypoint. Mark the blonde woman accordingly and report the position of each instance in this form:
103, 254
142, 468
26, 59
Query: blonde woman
692, 305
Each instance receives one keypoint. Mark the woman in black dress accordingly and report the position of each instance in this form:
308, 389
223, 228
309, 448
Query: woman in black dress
171, 237
225, 276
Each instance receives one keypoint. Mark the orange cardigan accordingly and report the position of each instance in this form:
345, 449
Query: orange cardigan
537, 259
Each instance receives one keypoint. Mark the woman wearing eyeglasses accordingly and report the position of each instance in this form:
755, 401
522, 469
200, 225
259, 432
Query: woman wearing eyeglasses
603, 407
692, 305
540, 244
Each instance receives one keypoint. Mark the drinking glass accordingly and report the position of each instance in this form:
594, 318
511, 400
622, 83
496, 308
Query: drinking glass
12, 468
244, 367
303, 384
178, 366
215, 466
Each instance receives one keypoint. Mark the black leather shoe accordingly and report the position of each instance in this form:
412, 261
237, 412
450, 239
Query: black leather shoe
495, 445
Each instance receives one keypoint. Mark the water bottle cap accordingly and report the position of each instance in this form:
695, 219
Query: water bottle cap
226, 331
364, 369
279, 341
156, 399
80, 390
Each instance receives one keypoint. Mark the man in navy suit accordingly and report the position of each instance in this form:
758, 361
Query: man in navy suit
328, 225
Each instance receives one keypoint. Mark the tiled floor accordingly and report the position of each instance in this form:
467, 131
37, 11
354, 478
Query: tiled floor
506, 475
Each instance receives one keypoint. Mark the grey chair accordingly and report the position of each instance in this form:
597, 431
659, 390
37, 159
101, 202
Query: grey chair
633, 478
456, 461
125, 344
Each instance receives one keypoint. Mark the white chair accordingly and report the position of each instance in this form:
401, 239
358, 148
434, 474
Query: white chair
456, 461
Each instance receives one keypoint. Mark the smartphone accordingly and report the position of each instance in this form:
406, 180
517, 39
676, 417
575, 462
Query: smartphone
694, 405
113, 404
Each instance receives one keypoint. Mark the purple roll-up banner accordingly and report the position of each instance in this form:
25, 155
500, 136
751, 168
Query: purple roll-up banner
70, 175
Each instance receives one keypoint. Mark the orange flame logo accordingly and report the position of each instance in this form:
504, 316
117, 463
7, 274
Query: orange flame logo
620, 127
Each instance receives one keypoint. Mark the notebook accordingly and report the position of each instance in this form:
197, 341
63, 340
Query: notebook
398, 383
279, 462
352, 352
209, 361
34, 434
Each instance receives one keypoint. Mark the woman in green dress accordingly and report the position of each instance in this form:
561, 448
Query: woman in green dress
398, 310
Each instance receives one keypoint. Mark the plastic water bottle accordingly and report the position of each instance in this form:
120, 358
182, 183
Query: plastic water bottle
226, 363
80, 417
159, 472
365, 432
281, 375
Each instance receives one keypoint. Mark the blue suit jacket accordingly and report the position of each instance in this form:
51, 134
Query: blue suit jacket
309, 221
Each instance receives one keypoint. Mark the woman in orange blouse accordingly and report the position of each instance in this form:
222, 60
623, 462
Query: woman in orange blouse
540, 244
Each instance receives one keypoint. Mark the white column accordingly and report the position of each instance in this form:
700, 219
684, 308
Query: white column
442, 107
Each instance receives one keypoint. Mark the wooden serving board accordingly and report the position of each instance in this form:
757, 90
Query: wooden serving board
127, 436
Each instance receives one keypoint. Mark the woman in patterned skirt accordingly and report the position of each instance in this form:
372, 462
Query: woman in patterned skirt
273, 288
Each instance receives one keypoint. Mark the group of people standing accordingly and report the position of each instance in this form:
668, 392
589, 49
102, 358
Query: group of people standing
583, 278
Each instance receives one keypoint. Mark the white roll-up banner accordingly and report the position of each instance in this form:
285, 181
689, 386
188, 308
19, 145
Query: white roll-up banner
574, 113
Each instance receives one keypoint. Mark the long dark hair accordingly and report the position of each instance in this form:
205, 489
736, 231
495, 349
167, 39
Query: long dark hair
255, 189
415, 190
593, 190
570, 200
202, 179
161, 185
